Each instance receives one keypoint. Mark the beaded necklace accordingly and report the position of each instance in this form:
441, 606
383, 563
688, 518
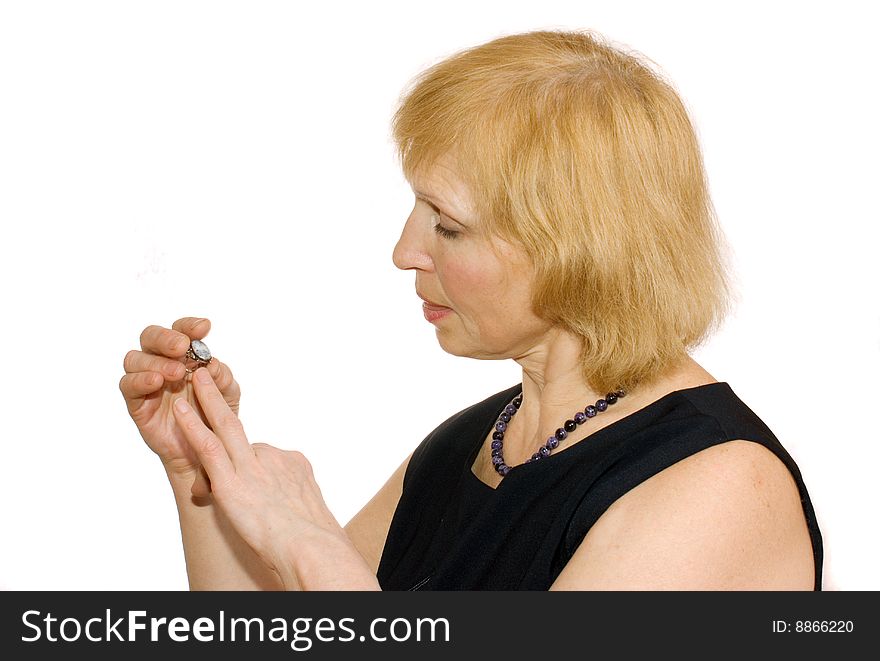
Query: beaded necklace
551, 443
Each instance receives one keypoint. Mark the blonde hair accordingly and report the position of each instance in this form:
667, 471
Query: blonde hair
585, 157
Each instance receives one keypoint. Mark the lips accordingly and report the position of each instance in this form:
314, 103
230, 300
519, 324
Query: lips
431, 305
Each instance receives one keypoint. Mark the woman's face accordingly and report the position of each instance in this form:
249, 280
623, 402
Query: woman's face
477, 291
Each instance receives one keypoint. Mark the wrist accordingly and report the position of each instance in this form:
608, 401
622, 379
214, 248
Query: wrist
181, 480
325, 560
178, 469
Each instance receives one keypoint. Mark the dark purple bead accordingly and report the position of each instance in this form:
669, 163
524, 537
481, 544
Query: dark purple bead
552, 442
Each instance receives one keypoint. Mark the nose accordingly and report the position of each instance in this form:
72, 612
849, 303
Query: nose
410, 251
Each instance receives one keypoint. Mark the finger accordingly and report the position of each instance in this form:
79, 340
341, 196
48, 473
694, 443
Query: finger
135, 386
221, 418
138, 361
224, 380
194, 328
164, 342
207, 446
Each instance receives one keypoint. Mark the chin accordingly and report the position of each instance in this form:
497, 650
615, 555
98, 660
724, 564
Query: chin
453, 348
449, 345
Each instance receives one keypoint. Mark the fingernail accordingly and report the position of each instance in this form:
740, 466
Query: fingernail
203, 376
181, 405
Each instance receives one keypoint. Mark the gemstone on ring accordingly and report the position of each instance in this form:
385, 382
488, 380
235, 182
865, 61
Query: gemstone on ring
199, 353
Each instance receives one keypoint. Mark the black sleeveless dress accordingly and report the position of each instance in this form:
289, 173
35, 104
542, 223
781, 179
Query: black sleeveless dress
451, 531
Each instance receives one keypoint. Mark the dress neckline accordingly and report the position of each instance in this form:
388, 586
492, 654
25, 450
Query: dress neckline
575, 449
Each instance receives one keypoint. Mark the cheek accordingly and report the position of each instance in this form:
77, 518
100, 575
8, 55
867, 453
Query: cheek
483, 296
461, 279
470, 284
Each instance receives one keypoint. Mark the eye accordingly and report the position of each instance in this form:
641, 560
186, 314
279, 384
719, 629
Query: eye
445, 232
441, 230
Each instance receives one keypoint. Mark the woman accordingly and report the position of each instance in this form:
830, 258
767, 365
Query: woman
561, 220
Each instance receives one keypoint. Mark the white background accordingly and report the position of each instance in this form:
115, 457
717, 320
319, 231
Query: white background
232, 160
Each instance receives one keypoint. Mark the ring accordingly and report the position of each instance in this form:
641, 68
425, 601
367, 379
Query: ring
199, 353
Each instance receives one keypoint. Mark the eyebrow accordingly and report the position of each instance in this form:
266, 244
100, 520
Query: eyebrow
436, 203
424, 196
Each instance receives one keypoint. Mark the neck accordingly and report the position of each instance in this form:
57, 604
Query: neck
553, 390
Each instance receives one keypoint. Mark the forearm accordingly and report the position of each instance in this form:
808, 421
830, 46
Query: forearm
328, 561
216, 556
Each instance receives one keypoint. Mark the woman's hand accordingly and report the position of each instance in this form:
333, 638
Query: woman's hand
155, 377
271, 498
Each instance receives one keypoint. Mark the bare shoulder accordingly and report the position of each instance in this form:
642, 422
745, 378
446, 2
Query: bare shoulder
726, 518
